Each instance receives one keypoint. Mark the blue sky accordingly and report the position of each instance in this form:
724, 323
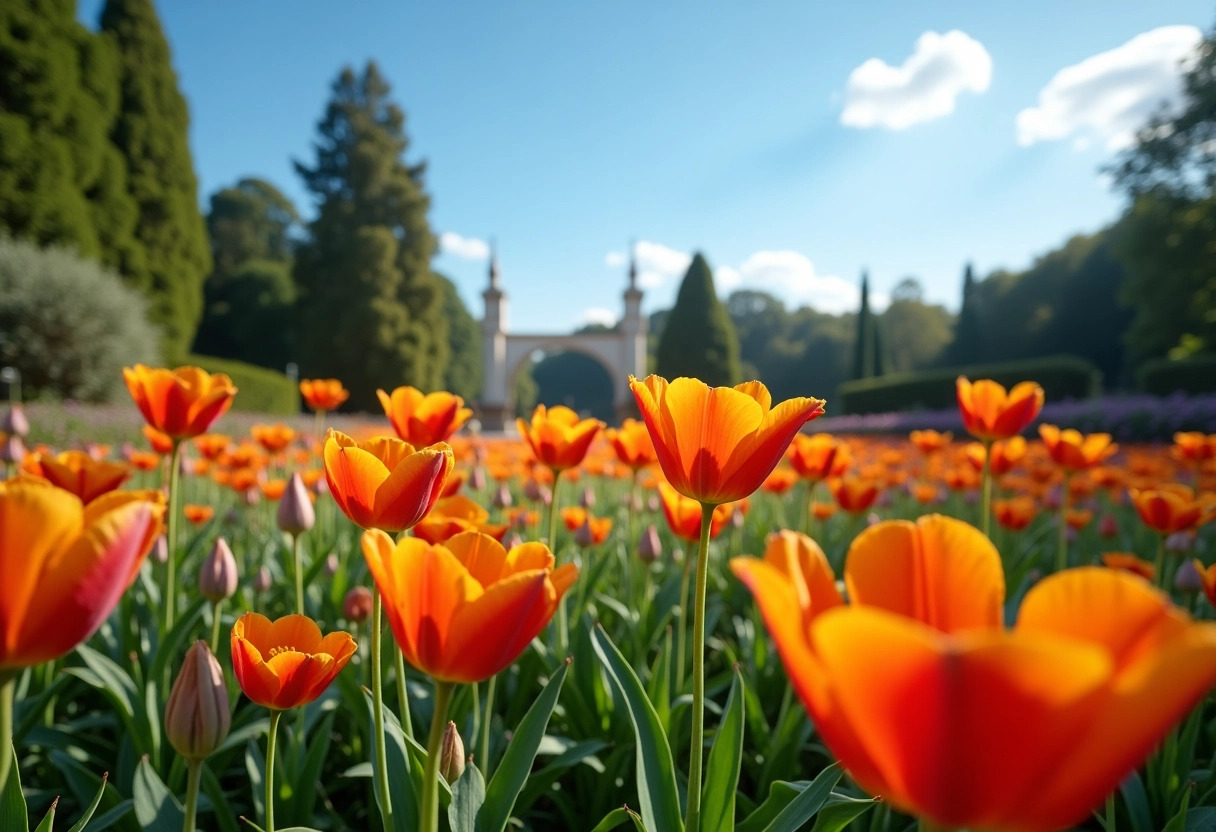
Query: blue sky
754, 132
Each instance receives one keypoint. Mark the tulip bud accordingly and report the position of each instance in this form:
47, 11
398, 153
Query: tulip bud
451, 757
185, 465
197, 717
872, 519
502, 497
296, 513
583, 536
95, 451
357, 606
653, 503
1187, 578
252, 497
512, 541
649, 546
160, 550
15, 422
331, 564
12, 449
1180, 542
736, 518
1108, 527
477, 480
587, 500
218, 578
262, 580
321, 487
534, 491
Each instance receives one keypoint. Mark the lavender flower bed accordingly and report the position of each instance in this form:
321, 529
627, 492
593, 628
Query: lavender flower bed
1128, 418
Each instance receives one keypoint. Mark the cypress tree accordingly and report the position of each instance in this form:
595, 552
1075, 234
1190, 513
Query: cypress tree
699, 338
150, 131
863, 343
968, 344
464, 373
369, 309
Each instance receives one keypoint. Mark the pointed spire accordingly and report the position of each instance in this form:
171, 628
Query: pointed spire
493, 264
633, 264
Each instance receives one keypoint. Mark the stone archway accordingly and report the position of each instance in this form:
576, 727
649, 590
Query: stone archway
621, 352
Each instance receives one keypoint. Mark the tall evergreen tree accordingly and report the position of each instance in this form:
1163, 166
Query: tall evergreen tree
699, 338
968, 345
151, 133
369, 307
464, 373
864, 342
61, 180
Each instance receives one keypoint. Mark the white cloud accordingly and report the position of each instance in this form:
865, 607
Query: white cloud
616, 259
597, 315
792, 277
658, 265
923, 88
466, 248
1110, 95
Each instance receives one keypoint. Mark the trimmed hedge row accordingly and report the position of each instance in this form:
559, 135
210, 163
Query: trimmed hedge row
1062, 377
259, 389
1164, 377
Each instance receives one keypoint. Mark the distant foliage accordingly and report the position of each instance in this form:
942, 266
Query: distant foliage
259, 390
1193, 374
577, 381
464, 373
698, 338
68, 325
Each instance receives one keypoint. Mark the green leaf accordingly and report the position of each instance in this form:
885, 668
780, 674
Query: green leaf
48, 820
170, 649
1201, 819
618, 816
516, 764
155, 807
121, 690
1178, 822
306, 794
219, 802
13, 814
722, 770
840, 811
803, 807
780, 793
1136, 800
400, 784
468, 796
656, 773
88, 813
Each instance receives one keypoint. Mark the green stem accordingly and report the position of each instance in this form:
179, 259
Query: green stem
563, 626
807, 505
170, 593
692, 822
1110, 812
8, 687
681, 634
318, 425
216, 609
986, 492
299, 572
403, 696
386, 805
434, 747
270, 750
1159, 562
194, 773
484, 748
1062, 551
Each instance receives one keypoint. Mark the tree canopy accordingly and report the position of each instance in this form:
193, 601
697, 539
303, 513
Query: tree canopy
698, 338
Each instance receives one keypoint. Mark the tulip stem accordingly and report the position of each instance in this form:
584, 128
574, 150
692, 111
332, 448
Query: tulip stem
194, 773
1159, 563
1110, 812
382, 795
986, 491
563, 627
270, 750
216, 609
1062, 552
681, 635
434, 748
403, 696
8, 685
175, 469
299, 572
692, 821
484, 747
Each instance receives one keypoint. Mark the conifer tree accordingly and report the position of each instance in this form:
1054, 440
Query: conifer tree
150, 132
369, 308
699, 338
864, 341
968, 344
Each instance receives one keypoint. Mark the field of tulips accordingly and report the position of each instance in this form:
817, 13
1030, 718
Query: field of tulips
713, 618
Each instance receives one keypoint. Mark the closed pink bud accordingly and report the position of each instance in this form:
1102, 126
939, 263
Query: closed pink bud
12, 449
502, 497
587, 500
262, 580
217, 579
296, 513
160, 550
534, 491
197, 718
583, 536
653, 502
477, 480
649, 546
1108, 527
15, 422
451, 756
1187, 578
357, 606
331, 564
252, 497
513, 540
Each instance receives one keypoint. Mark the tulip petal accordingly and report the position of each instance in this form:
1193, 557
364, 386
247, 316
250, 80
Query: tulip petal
354, 476
300, 675
483, 556
490, 632
754, 457
293, 632
412, 488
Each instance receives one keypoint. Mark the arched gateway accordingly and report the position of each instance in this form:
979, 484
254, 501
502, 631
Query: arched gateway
621, 352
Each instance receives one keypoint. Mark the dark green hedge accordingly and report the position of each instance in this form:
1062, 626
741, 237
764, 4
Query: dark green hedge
1196, 374
1062, 377
259, 389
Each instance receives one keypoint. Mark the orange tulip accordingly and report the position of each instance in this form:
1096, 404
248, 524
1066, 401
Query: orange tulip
384, 483
780, 481
1129, 563
1074, 452
273, 438
161, 443
453, 515
930, 441
1006, 453
989, 413
323, 394
285, 663
926, 699
273, 489
593, 530
1207, 575
79, 473
925, 493
1194, 446
1016, 513
819, 456
558, 438
632, 444
180, 403
64, 565
196, 514
684, 515
822, 511
1078, 518
1172, 508
144, 460
464, 610
854, 494
718, 444
211, 445
424, 419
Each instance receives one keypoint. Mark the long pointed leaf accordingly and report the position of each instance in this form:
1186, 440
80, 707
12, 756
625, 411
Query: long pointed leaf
79, 825
468, 796
13, 814
722, 770
803, 807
